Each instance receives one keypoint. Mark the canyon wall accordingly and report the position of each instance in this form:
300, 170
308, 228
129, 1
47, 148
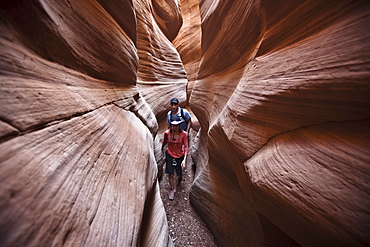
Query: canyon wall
81, 88
282, 99
279, 92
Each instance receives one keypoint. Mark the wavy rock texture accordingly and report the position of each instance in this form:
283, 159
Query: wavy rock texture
79, 80
161, 74
187, 42
280, 89
282, 98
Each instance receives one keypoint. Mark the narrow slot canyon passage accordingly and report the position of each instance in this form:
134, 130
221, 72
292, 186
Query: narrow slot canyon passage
185, 226
278, 93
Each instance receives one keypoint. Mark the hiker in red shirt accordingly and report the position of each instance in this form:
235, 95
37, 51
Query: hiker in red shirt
177, 148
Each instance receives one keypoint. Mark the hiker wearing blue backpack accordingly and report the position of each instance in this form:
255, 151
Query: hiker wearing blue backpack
178, 114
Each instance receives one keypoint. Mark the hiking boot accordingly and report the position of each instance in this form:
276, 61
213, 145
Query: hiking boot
172, 195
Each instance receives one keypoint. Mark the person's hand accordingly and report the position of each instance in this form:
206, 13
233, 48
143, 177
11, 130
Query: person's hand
183, 163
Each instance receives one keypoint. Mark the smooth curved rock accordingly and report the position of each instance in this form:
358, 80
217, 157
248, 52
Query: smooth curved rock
188, 41
161, 74
69, 32
280, 90
317, 179
159, 59
77, 151
307, 66
226, 43
168, 17
123, 13
36, 91
73, 183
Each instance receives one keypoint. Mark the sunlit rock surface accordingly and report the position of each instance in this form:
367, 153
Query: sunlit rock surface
79, 80
282, 98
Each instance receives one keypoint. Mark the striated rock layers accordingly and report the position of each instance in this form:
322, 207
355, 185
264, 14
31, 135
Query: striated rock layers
280, 88
282, 98
77, 151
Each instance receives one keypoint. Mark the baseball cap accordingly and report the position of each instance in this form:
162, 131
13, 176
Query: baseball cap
174, 101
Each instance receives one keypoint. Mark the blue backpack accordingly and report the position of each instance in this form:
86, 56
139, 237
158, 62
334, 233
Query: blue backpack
183, 117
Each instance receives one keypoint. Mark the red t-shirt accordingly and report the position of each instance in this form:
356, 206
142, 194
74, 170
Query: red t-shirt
176, 148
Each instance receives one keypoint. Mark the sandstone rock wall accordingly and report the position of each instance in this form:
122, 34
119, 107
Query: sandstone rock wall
280, 88
78, 85
188, 41
282, 98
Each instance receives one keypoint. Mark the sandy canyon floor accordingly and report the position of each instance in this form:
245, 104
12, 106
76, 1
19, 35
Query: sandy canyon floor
186, 227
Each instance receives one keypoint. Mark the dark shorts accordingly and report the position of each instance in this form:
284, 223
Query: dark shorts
170, 169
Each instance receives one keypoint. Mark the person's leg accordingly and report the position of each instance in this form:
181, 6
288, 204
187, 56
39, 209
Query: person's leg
171, 179
179, 180
170, 170
179, 171
172, 185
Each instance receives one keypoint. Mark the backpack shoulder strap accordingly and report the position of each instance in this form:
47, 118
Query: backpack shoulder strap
170, 116
182, 114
